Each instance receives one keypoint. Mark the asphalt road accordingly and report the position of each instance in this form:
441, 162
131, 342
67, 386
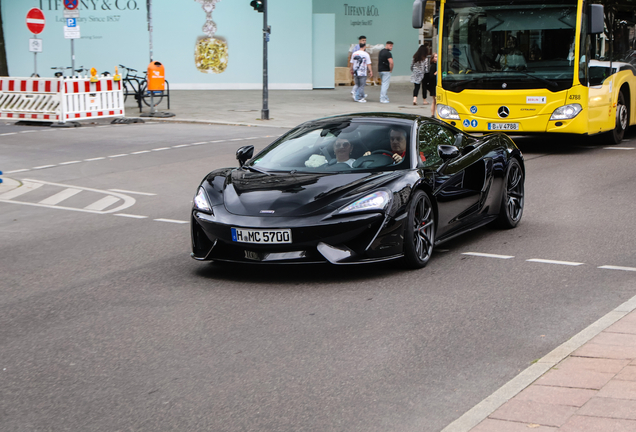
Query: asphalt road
107, 324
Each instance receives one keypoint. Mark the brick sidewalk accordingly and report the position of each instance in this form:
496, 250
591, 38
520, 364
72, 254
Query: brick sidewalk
592, 390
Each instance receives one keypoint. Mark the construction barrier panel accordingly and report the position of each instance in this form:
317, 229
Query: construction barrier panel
60, 99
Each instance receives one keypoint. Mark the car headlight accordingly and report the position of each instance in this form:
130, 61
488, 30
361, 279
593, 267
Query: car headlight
446, 112
566, 112
201, 201
375, 201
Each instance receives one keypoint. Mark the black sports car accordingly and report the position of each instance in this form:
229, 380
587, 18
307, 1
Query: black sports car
357, 188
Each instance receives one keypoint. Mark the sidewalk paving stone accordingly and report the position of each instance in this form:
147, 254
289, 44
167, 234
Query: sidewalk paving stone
556, 395
619, 390
627, 374
602, 351
490, 425
534, 412
598, 424
608, 407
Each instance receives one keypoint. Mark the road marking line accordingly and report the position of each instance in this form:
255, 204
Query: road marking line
487, 255
94, 159
44, 166
237, 139
609, 267
142, 151
60, 196
28, 131
131, 216
11, 133
26, 187
101, 204
217, 141
69, 162
618, 148
251, 138
132, 192
202, 142
17, 171
161, 148
171, 221
103, 126
118, 155
182, 145
543, 261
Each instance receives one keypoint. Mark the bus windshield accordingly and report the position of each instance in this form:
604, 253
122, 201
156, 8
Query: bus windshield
492, 45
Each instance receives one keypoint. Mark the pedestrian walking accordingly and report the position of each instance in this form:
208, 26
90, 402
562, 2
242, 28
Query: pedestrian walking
385, 67
360, 68
361, 40
431, 84
420, 65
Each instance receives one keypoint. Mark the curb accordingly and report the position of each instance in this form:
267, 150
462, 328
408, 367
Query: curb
482, 410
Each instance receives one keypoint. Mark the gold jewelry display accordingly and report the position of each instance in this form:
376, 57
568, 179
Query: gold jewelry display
210, 53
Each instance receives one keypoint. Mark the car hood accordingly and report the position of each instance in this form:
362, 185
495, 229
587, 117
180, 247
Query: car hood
296, 194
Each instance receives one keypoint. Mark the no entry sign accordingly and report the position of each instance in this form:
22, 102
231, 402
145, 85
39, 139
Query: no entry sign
35, 21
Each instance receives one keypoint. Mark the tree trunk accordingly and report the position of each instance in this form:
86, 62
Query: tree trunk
4, 68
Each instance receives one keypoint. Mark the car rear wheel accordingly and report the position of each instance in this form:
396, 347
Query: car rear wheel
512, 197
419, 233
622, 119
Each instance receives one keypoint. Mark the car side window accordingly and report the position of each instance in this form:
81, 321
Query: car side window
430, 136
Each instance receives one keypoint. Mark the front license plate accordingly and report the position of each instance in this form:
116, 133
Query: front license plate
276, 236
503, 126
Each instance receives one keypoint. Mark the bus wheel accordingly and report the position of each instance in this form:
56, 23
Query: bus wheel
622, 119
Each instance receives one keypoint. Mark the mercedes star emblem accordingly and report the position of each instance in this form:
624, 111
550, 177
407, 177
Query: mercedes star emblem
504, 85
503, 111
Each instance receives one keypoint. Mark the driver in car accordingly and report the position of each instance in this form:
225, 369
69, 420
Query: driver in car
397, 139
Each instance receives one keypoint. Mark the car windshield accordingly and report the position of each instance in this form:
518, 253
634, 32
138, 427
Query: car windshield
523, 46
339, 145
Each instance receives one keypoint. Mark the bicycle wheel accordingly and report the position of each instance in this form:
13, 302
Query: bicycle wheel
157, 95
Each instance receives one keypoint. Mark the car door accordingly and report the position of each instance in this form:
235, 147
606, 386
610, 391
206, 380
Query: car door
459, 184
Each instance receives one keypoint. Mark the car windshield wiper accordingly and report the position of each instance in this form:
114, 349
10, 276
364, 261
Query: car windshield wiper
253, 168
552, 84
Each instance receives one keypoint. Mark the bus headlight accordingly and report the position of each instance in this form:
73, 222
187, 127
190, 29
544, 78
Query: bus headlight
446, 112
566, 112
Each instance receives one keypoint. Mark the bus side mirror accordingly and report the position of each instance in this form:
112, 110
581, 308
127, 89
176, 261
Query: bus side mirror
596, 16
418, 13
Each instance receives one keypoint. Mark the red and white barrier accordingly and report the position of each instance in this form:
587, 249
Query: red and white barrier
60, 99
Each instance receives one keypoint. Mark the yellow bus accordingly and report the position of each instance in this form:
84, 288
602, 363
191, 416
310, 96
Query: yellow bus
528, 66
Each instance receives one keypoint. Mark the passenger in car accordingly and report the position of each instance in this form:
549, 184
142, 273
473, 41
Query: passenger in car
342, 149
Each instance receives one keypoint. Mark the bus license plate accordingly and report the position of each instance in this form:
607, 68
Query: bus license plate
276, 236
503, 126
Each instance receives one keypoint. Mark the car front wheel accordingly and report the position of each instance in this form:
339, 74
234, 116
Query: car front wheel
419, 233
513, 196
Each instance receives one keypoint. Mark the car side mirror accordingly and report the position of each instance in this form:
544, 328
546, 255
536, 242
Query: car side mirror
447, 152
244, 154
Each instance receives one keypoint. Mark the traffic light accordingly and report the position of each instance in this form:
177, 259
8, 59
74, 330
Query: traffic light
258, 5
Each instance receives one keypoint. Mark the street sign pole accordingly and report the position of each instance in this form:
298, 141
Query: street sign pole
152, 93
265, 110
35, 61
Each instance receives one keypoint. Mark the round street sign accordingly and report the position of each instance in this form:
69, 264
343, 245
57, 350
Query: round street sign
35, 21
70, 4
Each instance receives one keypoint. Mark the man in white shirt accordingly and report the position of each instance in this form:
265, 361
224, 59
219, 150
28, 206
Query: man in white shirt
360, 67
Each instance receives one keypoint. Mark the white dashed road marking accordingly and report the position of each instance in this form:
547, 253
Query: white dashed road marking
172, 221
25, 188
544, 261
487, 255
609, 267
102, 204
131, 216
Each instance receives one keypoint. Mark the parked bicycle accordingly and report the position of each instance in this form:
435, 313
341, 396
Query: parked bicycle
60, 71
137, 86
